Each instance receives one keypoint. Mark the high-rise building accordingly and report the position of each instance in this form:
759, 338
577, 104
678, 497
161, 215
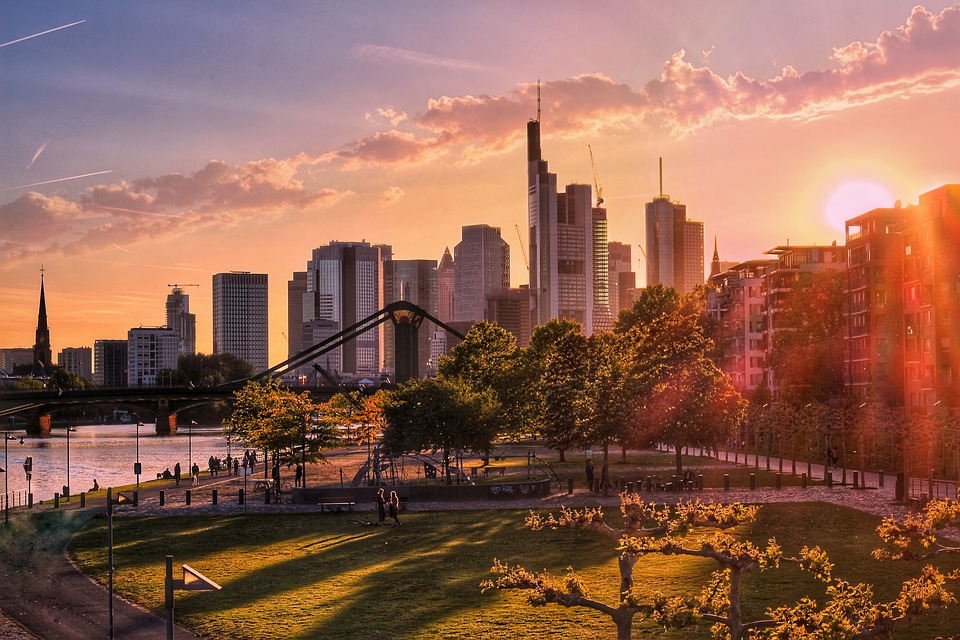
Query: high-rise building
602, 319
481, 265
344, 286
674, 245
413, 281
511, 310
561, 237
179, 318
240, 324
446, 281
149, 351
621, 277
78, 360
110, 363
296, 288
42, 353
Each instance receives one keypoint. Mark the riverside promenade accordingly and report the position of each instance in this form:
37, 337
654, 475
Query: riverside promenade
44, 596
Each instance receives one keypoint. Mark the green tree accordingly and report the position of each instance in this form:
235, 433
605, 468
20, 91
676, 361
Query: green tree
565, 399
610, 390
440, 414
849, 612
204, 370
64, 380
268, 416
489, 359
808, 344
543, 343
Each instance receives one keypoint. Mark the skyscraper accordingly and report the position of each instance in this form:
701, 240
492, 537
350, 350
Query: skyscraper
240, 317
344, 281
295, 290
602, 319
674, 245
561, 238
481, 266
445, 285
179, 318
621, 276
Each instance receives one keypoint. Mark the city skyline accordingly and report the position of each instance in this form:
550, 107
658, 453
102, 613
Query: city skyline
190, 134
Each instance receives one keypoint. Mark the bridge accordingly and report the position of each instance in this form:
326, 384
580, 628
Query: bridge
406, 317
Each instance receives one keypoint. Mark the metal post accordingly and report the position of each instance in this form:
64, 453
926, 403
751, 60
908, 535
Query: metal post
6, 482
110, 556
168, 596
136, 467
67, 492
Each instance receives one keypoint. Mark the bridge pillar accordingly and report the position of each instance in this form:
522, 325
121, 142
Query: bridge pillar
166, 419
406, 332
38, 424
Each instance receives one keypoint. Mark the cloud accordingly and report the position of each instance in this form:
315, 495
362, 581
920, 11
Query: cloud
377, 53
922, 56
119, 214
391, 196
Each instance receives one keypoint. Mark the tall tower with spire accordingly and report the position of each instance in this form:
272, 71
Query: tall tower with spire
42, 353
715, 267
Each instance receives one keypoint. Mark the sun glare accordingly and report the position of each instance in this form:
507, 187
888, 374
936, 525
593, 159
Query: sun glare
851, 199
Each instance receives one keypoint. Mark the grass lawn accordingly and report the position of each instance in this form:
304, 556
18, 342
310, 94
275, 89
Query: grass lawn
316, 576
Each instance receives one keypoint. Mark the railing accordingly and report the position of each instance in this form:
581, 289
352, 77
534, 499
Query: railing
13, 499
929, 489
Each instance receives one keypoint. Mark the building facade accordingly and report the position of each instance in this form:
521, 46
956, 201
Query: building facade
240, 319
181, 320
150, 350
481, 267
674, 246
110, 363
621, 278
446, 282
78, 360
413, 281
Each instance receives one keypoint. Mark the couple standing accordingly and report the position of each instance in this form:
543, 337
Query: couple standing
394, 507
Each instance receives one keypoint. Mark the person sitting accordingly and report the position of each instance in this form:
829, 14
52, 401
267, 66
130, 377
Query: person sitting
96, 485
166, 475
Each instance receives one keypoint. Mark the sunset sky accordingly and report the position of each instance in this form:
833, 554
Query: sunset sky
240, 135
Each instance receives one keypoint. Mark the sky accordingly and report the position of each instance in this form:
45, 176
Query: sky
144, 144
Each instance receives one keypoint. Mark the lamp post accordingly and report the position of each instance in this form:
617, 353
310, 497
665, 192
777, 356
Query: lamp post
6, 483
136, 465
190, 445
69, 429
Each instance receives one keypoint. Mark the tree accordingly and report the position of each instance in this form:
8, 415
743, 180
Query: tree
534, 358
654, 301
489, 359
610, 392
203, 370
64, 380
683, 530
565, 400
440, 414
808, 344
268, 416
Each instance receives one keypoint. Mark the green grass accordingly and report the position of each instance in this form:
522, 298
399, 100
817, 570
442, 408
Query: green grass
316, 576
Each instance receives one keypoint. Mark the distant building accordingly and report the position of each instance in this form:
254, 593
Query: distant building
674, 245
16, 358
240, 319
110, 363
344, 286
42, 353
296, 288
561, 236
510, 309
78, 360
481, 266
621, 278
602, 318
150, 350
446, 283
179, 318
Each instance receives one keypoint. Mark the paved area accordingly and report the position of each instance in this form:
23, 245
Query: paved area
46, 597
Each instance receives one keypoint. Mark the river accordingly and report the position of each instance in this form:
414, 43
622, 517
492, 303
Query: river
107, 453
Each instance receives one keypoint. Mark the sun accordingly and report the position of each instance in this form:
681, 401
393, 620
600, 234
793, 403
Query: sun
853, 198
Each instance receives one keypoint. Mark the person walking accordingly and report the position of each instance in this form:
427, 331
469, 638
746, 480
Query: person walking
195, 472
298, 477
176, 473
395, 508
381, 507
589, 471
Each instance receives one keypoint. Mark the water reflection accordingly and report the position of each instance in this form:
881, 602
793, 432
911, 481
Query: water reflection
107, 453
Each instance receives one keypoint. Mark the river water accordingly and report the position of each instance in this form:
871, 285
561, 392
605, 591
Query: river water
106, 452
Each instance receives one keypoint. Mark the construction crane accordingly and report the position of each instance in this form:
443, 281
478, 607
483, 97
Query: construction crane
523, 249
596, 183
178, 288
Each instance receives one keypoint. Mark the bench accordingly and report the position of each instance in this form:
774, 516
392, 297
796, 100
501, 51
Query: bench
488, 470
336, 502
263, 483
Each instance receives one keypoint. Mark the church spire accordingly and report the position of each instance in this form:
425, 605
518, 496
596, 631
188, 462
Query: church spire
715, 263
42, 354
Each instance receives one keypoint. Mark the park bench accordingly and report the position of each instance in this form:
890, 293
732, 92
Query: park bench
336, 502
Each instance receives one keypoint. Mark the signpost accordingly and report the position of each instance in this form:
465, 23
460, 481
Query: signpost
192, 580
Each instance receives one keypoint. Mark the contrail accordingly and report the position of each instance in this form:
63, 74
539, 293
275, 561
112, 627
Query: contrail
37, 184
43, 33
37, 154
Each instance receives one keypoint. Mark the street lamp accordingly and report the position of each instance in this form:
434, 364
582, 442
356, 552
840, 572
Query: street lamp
6, 484
67, 492
190, 445
136, 465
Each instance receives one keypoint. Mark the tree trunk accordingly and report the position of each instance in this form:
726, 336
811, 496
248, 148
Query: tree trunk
605, 472
678, 448
446, 465
624, 620
735, 617
562, 457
